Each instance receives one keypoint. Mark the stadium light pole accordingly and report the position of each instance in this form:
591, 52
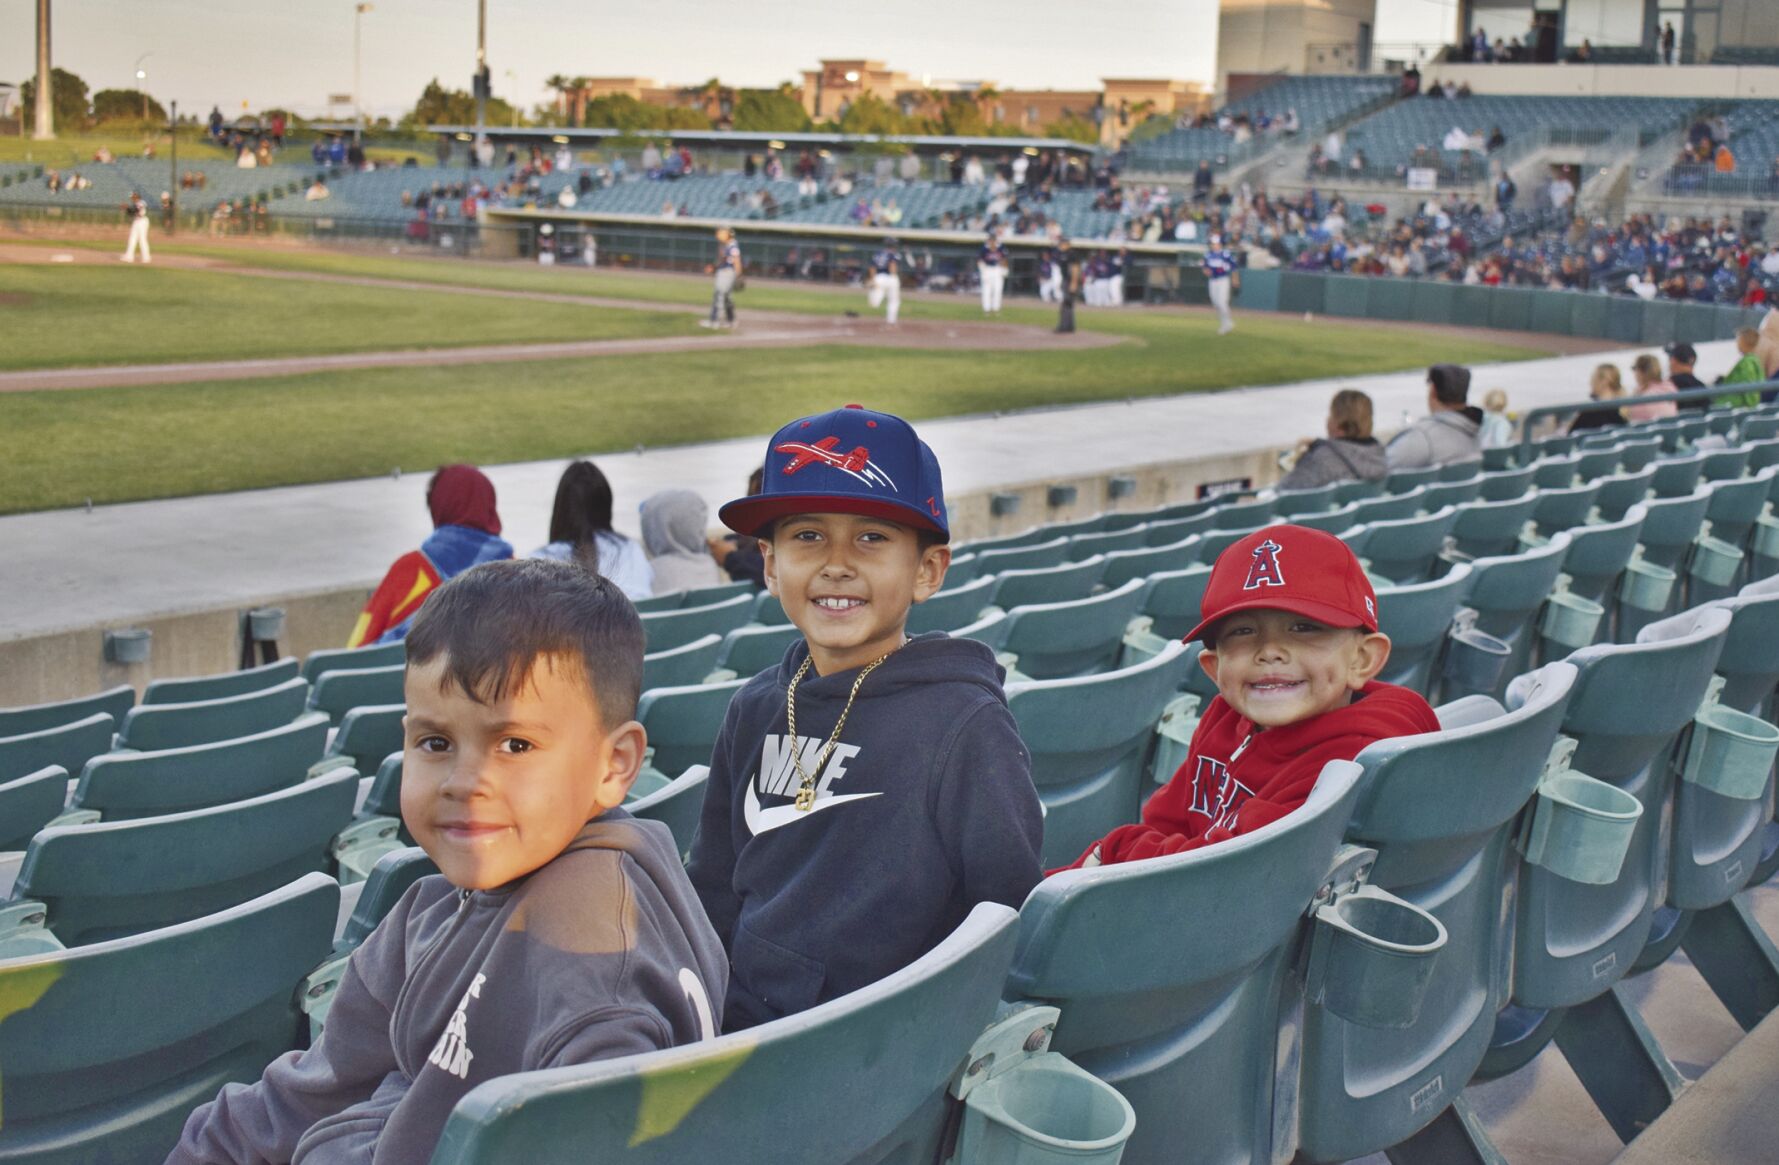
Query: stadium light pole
173, 166
141, 78
358, 12
481, 71
45, 129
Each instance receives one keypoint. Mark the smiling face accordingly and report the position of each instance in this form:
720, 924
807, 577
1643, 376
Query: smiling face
494, 791
1277, 668
847, 582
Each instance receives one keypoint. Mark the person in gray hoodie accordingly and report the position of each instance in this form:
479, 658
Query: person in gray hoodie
675, 532
560, 929
1349, 453
1450, 430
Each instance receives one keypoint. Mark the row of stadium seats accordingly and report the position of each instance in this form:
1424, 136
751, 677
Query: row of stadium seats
1100, 735
1320, 102
1754, 140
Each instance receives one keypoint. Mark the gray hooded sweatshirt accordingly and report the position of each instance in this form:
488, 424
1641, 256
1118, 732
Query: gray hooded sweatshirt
603, 952
1437, 439
674, 526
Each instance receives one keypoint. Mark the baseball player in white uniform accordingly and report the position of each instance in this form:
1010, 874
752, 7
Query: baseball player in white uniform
886, 281
1220, 272
991, 271
137, 212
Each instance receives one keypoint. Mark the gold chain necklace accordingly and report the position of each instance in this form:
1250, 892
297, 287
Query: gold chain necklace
806, 781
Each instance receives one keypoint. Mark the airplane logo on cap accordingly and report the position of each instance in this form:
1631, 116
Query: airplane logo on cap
855, 464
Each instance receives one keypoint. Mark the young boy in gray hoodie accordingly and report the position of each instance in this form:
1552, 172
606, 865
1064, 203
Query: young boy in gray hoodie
562, 929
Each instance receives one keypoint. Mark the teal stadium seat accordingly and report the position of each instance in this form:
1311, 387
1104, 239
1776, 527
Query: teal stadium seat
1054, 584
769, 611
222, 685
114, 702
1620, 491
952, 607
1405, 549
651, 604
1170, 532
339, 691
1677, 476
1562, 507
108, 1048
1336, 521
1636, 454
670, 629
1388, 508
718, 593
157, 726
1291, 502
28, 803
1464, 470
679, 666
1074, 638
1124, 565
105, 880
964, 568
1596, 463
748, 651
1507, 592
1484, 529
1171, 600
1450, 493
868, 1073
1417, 618
1670, 526
367, 734
1091, 739
682, 723
1724, 464
1034, 556
69, 745
1557, 472
1597, 557
319, 663
677, 805
1183, 1025
126, 785
1502, 484
1401, 481
1083, 546
1242, 515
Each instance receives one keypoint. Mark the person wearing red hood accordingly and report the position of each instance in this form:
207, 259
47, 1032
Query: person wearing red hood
466, 533
1290, 633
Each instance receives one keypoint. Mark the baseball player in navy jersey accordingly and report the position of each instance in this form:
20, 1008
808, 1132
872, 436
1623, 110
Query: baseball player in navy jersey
727, 269
1219, 268
1049, 277
886, 280
991, 270
1115, 281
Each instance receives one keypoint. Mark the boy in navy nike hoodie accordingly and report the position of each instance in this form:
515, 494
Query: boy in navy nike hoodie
562, 929
1289, 624
872, 788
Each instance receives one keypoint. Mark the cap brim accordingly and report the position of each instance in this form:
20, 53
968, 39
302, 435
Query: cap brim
751, 515
1321, 612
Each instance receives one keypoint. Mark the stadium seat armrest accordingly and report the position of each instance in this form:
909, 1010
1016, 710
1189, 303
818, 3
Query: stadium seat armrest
315, 994
721, 675
74, 817
24, 929
357, 847
1179, 720
327, 765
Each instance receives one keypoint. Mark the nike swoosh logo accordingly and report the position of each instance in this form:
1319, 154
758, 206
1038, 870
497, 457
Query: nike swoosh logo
762, 820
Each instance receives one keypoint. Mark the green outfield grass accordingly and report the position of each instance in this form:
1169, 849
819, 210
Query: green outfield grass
55, 316
131, 443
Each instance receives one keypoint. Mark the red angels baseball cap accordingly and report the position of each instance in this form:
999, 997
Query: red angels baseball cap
1289, 568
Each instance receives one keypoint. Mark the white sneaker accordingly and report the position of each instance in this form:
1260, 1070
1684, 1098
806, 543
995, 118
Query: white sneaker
708, 324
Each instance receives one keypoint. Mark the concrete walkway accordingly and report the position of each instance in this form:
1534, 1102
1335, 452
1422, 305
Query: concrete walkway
65, 569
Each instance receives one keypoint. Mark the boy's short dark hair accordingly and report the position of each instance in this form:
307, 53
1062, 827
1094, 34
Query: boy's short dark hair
493, 622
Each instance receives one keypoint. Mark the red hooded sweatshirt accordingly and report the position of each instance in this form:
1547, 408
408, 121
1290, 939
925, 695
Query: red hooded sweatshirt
1238, 778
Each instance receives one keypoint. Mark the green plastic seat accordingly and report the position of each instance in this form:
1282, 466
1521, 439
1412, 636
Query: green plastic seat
770, 612
678, 666
1506, 592
1116, 520
1401, 481
1550, 473
1555, 446
1091, 739
1291, 502
28, 803
682, 723
1416, 618
1450, 493
339, 691
1074, 638
125, 785
1756, 428
389, 879
670, 629
1083, 546
1359, 489
69, 745
109, 879
1620, 491
1485, 528
1029, 537
1670, 525
1242, 515
748, 651
718, 593
1404, 550
109, 1048
677, 805
1500, 485
1677, 476
1461, 470
1440, 809
1635, 454
114, 702
1075, 529
367, 735
964, 568
1560, 508
869, 1072
1171, 531
1498, 458
1598, 555
671, 601
222, 685
1171, 599
1725, 464
1213, 543
159, 726
1185, 1026
321, 662
1596, 463
953, 606
1056, 584
1336, 521
1124, 565
1388, 508
1036, 556
1763, 454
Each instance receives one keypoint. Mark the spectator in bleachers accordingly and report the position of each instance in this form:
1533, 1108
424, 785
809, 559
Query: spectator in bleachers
1496, 430
740, 557
1290, 637
1768, 349
1747, 370
1647, 370
559, 930
1603, 385
1449, 431
581, 532
673, 535
317, 190
1667, 42
466, 533
1348, 453
1681, 359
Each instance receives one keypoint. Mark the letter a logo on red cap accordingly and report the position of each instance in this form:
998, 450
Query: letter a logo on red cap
1264, 570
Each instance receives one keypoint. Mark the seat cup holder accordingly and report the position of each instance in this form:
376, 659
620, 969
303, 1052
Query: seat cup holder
1646, 586
1581, 828
1571, 620
1024, 1105
1766, 537
1714, 561
1371, 958
1731, 753
1474, 659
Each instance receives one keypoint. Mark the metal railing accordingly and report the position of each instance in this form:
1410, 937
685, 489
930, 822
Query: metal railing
1529, 422
1705, 179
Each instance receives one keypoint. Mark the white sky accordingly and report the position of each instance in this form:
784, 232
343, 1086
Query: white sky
293, 53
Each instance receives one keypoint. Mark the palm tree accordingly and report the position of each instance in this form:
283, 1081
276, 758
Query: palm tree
561, 84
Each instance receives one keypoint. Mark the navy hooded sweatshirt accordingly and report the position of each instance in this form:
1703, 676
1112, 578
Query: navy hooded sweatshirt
925, 809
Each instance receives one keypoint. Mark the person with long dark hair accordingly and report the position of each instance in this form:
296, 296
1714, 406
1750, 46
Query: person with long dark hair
581, 531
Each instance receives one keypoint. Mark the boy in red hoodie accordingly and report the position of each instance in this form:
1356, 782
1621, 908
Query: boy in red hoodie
1289, 624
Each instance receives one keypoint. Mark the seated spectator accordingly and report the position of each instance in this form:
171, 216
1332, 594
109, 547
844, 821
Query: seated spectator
1724, 160
466, 533
1449, 431
1747, 370
317, 190
1348, 453
674, 525
1681, 358
1604, 384
1290, 637
581, 532
1496, 430
1648, 373
741, 558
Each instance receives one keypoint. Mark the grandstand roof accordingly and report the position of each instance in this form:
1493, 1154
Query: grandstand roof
922, 143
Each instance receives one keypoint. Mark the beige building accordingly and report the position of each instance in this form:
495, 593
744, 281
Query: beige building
1293, 36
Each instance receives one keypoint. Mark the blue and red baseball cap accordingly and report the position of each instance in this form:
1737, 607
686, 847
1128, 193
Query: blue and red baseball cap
849, 461
1289, 568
